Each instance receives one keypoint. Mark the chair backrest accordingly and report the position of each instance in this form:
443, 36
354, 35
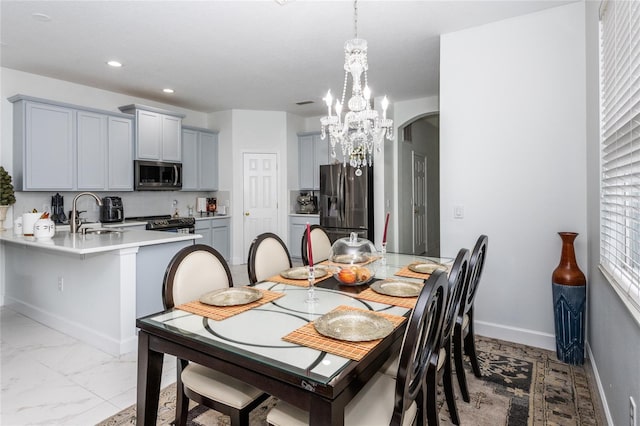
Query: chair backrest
320, 245
194, 271
457, 290
476, 265
421, 339
268, 255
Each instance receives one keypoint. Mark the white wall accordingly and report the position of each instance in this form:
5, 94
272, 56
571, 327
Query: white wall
513, 153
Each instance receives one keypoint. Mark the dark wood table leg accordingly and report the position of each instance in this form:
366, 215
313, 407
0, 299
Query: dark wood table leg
325, 413
149, 375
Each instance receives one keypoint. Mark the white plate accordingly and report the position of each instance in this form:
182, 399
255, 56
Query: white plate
231, 296
353, 326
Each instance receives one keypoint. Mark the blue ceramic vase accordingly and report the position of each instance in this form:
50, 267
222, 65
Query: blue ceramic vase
569, 300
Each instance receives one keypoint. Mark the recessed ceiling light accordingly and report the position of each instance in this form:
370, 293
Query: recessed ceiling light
114, 64
41, 17
168, 90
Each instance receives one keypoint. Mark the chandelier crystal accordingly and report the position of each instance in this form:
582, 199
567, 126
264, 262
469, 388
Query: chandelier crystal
361, 130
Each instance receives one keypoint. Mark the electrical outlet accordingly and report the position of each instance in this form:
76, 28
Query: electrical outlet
632, 412
60, 284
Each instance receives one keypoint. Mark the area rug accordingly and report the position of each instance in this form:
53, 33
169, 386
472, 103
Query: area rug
520, 385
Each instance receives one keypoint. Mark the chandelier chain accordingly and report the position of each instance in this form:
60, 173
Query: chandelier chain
355, 18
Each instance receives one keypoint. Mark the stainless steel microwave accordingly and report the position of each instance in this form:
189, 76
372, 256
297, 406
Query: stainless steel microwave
157, 176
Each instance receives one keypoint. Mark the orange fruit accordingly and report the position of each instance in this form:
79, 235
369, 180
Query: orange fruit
347, 276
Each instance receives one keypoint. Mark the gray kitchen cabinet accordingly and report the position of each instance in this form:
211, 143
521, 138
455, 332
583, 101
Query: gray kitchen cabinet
216, 232
120, 147
312, 153
297, 227
158, 133
44, 146
66, 147
199, 159
105, 152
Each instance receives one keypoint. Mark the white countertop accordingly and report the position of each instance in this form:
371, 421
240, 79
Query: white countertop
65, 242
305, 214
218, 216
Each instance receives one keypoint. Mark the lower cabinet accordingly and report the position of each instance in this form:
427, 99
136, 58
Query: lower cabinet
297, 227
216, 232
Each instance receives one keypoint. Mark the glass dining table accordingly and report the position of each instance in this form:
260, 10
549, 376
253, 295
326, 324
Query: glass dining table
250, 347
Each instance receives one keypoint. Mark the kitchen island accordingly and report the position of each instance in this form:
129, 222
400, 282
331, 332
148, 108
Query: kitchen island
93, 286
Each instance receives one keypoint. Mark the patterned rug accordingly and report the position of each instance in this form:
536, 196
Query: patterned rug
520, 385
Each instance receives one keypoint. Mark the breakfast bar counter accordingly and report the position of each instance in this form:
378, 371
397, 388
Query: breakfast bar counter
93, 286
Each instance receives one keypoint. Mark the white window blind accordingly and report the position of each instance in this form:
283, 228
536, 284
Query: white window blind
620, 135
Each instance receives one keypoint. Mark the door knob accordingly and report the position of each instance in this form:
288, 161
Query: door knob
246, 213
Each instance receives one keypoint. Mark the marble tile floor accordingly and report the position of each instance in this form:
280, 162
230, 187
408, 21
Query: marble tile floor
49, 378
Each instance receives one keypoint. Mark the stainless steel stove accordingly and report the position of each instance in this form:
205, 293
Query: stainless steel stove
167, 223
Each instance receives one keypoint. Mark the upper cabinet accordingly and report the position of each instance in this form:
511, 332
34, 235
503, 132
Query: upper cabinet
199, 159
158, 133
312, 153
65, 147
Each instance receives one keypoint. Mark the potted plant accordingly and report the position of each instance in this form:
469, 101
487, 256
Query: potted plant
7, 195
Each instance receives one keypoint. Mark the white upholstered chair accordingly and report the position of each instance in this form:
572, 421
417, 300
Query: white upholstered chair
193, 271
268, 256
320, 245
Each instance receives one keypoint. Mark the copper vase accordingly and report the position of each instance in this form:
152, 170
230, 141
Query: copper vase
569, 300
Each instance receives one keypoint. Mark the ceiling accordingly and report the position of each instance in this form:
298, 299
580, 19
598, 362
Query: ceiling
221, 55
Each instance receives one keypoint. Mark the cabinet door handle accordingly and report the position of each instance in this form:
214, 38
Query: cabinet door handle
246, 213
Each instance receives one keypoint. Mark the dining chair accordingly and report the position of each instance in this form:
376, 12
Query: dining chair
193, 271
383, 399
440, 362
268, 256
320, 245
463, 336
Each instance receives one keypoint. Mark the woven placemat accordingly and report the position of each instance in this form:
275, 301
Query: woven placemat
408, 273
405, 302
300, 283
219, 313
308, 336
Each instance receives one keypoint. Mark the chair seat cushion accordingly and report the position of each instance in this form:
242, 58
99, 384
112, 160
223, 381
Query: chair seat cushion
218, 386
373, 405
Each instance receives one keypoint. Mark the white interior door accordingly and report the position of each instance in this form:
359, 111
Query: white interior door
260, 186
419, 173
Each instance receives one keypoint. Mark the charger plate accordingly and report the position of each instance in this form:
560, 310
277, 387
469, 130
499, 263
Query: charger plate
397, 288
302, 273
231, 296
353, 326
425, 268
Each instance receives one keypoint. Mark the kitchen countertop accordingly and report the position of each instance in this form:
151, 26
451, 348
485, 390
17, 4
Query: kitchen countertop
65, 242
304, 214
218, 216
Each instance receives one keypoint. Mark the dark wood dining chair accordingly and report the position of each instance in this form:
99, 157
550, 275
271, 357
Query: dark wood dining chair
463, 336
193, 271
320, 245
383, 399
440, 362
268, 256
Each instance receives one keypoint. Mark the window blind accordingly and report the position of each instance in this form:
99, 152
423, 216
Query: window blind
620, 149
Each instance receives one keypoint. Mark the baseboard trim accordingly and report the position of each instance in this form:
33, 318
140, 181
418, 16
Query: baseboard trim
603, 398
76, 330
514, 334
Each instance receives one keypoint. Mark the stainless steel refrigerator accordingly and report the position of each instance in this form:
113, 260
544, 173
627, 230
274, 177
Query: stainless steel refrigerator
346, 201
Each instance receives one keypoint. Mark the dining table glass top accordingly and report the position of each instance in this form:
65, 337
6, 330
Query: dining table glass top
257, 333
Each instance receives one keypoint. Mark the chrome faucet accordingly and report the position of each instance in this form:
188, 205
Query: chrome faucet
74, 221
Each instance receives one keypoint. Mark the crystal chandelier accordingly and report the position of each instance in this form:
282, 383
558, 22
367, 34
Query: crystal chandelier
361, 129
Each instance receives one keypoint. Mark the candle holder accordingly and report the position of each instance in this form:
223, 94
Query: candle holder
311, 293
